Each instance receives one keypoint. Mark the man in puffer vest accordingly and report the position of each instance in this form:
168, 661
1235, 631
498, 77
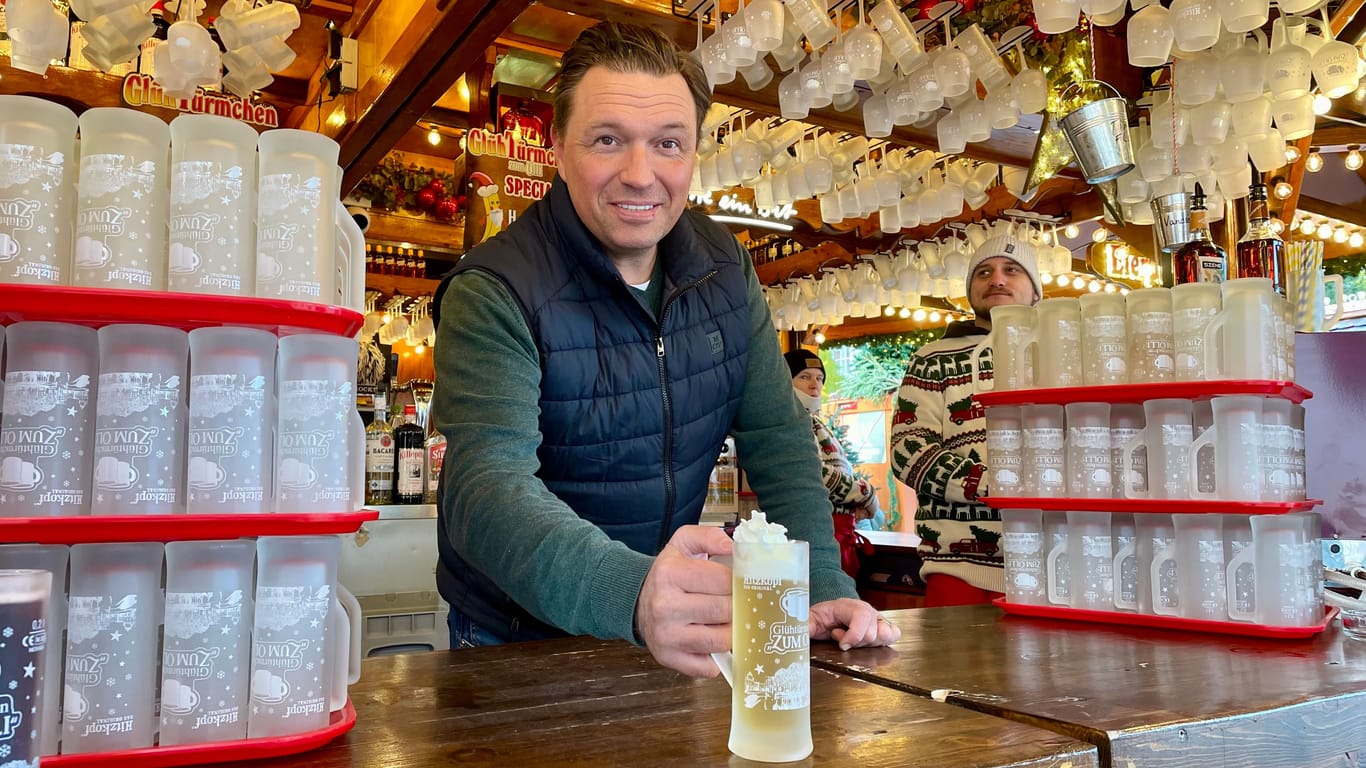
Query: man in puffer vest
590, 361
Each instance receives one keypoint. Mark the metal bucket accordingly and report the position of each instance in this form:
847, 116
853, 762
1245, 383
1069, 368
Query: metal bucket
1172, 220
1099, 135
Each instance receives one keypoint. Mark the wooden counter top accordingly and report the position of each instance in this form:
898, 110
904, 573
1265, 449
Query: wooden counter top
1147, 698
586, 702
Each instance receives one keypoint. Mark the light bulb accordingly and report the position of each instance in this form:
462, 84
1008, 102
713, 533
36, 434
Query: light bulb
420, 348
1292, 153
820, 337
1123, 291
1340, 235
904, 313
1100, 235
1356, 240
1307, 227
433, 136
386, 318
1322, 104
889, 311
1324, 232
1277, 226
1313, 163
1063, 280
935, 316
1093, 286
1282, 190
1046, 238
919, 315
1078, 283
1071, 231
1353, 161
1045, 277
1111, 288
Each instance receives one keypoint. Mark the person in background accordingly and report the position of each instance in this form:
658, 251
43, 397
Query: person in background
853, 498
591, 358
938, 439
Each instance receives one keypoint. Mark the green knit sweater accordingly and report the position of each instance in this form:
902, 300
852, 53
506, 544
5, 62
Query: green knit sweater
501, 518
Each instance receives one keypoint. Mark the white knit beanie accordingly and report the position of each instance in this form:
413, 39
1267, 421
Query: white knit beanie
1018, 251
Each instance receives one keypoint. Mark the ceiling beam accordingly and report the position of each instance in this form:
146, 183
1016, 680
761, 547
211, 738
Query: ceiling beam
453, 44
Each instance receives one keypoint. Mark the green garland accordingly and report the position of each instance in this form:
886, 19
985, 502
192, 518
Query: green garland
1346, 266
878, 363
394, 185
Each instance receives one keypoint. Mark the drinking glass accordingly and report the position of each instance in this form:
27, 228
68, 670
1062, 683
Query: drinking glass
1057, 565
1236, 439
316, 441
1125, 567
1045, 458
1023, 544
1005, 451
1103, 349
46, 431
1240, 341
1126, 422
1088, 450
1167, 436
1150, 335
23, 617
122, 200
1156, 589
37, 190
140, 420
296, 217
207, 641
53, 559
1011, 326
111, 634
213, 206
1194, 305
232, 418
1090, 551
771, 640
1198, 551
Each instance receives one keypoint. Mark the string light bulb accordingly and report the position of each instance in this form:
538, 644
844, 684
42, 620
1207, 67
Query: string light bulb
1340, 235
889, 311
1356, 240
904, 313
1093, 286
1071, 231
1277, 226
1063, 280
1322, 104
919, 315
820, 337
1307, 227
433, 136
1313, 163
1292, 153
1111, 288
1283, 190
420, 348
1100, 235
935, 316
1324, 232
1353, 161
1078, 283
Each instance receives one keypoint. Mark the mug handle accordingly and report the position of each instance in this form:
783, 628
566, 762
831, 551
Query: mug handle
975, 366
1329, 322
1055, 594
1213, 363
1117, 573
344, 619
1130, 466
1203, 440
1155, 575
1244, 556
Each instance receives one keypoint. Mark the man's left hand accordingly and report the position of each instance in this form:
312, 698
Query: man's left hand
852, 624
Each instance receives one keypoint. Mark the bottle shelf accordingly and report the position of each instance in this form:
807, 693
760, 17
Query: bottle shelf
98, 307
1151, 506
117, 528
214, 752
1239, 628
1137, 393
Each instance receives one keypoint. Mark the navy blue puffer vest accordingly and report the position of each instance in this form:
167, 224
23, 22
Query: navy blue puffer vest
633, 409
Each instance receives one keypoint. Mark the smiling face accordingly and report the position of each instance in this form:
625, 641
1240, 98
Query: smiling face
998, 281
627, 154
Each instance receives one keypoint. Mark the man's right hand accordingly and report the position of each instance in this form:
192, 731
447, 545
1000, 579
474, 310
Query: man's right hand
683, 613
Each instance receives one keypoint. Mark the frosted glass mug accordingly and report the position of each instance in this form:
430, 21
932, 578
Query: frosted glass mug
37, 190
1045, 458
1056, 343
1090, 551
1023, 543
1282, 554
1167, 436
111, 635
1088, 450
1236, 439
1126, 421
140, 420
1241, 341
1104, 357
1010, 328
1198, 551
1193, 306
296, 216
1277, 471
122, 200
771, 694
1125, 567
23, 614
317, 440
53, 559
213, 206
1005, 451
46, 433
1057, 565
1152, 534
206, 647
232, 420
290, 680
1151, 342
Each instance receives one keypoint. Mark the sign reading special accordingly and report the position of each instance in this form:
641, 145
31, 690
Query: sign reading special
506, 175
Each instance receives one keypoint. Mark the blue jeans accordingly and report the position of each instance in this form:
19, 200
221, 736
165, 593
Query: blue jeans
467, 634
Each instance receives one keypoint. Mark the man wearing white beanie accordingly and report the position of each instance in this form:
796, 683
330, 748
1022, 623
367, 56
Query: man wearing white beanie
938, 440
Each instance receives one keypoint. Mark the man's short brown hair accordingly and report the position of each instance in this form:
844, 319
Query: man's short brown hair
624, 47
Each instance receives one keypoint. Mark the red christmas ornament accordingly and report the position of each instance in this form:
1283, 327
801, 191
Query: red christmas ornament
438, 186
426, 199
445, 209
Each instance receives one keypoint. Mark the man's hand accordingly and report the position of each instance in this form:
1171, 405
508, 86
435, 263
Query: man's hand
852, 624
683, 614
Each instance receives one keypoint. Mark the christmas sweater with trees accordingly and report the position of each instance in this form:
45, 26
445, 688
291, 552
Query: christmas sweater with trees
847, 490
938, 448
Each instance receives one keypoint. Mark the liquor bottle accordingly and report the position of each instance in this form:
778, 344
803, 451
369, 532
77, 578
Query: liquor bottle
1199, 260
1260, 252
379, 456
436, 454
409, 458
